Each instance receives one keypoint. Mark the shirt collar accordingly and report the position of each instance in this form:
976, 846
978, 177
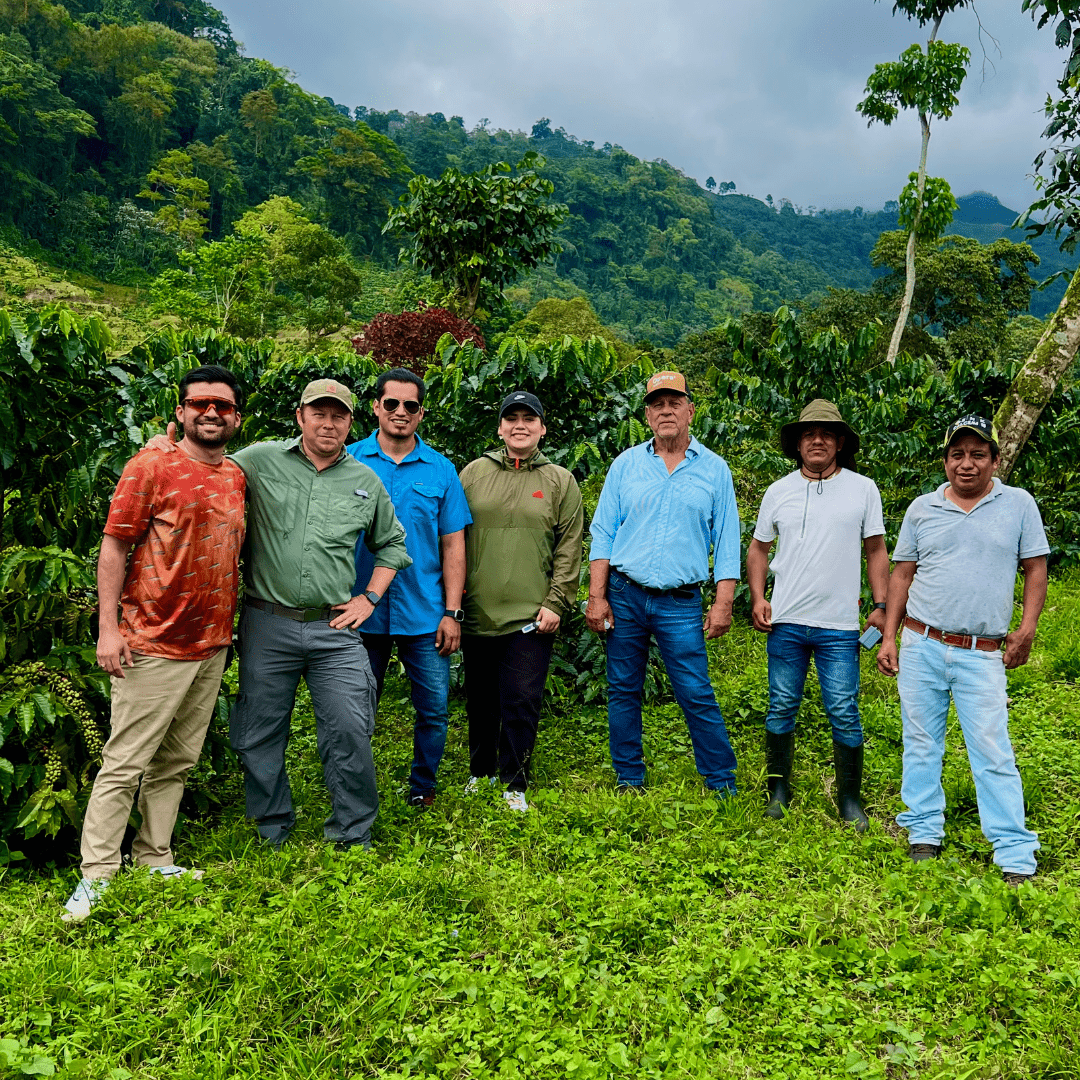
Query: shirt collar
293, 447
693, 449
937, 498
370, 447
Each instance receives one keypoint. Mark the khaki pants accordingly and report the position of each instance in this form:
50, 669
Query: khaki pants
160, 712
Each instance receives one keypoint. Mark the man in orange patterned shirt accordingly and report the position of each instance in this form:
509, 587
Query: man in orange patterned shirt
181, 518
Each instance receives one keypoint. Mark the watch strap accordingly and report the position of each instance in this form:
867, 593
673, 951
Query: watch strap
879, 606
372, 597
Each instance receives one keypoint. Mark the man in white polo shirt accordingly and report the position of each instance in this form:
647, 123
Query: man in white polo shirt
952, 585
824, 516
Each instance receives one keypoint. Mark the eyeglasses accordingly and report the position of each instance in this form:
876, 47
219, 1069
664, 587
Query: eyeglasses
220, 405
390, 405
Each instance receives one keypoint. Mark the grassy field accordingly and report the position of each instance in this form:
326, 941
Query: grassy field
596, 936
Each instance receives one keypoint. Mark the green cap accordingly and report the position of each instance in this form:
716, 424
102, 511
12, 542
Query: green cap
820, 411
327, 388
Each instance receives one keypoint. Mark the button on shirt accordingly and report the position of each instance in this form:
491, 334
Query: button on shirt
429, 501
967, 562
657, 527
304, 523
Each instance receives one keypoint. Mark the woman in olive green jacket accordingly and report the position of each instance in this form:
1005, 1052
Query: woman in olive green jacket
523, 553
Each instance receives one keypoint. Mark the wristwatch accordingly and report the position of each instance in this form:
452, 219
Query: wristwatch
457, 614
879, 606
372, 597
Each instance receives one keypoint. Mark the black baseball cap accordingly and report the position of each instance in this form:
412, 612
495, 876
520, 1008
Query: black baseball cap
520, 399
977, 425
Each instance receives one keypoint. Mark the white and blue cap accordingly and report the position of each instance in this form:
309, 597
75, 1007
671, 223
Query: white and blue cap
521, 399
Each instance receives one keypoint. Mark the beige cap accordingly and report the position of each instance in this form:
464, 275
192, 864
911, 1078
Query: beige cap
665, 380
327, 388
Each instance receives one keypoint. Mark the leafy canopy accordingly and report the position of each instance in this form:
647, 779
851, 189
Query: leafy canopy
927, 82
479, 231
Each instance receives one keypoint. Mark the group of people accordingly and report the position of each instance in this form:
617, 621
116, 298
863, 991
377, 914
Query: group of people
352, 551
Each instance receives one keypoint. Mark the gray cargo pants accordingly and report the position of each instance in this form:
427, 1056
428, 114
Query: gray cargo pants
274, 653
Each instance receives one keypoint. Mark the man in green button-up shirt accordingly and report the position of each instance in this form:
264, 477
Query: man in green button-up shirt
310, 501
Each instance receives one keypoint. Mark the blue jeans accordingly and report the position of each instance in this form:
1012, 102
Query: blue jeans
676, 624
429, 674
836, 657
929, 673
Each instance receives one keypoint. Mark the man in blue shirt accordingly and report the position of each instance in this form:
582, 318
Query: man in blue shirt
952, 592
421, 612
664, 504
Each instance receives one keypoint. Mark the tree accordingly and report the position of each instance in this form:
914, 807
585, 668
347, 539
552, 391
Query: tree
1058, 178
478, 231
969, 290
711, 184
185, 195
310, 276
928, 83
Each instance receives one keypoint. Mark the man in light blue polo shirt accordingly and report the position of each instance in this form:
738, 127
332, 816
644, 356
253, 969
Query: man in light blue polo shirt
664, 505
952, 585
421, 612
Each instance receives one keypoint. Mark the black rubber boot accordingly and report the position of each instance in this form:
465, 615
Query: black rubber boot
849, 763
779, 754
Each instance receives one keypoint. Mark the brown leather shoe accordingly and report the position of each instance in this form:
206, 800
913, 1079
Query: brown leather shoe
922, 852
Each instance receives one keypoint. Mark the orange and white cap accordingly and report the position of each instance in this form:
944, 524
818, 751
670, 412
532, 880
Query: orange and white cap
671, 381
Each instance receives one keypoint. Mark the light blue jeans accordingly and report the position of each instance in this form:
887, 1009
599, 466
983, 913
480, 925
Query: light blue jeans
929, 673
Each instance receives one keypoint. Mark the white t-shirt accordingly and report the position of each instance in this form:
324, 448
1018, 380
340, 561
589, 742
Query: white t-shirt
818, 558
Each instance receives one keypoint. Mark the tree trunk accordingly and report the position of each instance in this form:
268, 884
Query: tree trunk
1037, 380
909, 262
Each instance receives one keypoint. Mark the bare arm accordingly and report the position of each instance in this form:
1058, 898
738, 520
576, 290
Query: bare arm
896, 608
448, 635
718, 620
757, 571
598, 611
112, 650
877, 573
1018, 643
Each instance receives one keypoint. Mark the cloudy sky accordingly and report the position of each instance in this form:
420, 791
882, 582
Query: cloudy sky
763, 94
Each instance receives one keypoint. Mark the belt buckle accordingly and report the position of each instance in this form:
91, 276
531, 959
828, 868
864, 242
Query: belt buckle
313, 615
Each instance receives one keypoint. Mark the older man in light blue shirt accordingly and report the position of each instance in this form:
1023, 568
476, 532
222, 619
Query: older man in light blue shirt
664, 506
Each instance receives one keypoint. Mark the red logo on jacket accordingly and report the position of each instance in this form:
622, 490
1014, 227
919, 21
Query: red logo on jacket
538, 494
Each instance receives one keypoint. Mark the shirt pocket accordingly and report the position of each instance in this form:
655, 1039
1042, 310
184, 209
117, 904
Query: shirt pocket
424, 505
346, 517
276, 504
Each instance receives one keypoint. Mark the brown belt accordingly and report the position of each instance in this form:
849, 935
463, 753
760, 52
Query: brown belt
961, 641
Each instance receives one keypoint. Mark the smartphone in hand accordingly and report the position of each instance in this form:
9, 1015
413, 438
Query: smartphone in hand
871, 636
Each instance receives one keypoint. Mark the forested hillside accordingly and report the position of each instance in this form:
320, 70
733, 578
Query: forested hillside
131, 132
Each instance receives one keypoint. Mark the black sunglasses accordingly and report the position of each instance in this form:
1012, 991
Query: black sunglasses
390, 405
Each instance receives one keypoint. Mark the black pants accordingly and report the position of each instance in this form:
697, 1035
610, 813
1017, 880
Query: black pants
504, 684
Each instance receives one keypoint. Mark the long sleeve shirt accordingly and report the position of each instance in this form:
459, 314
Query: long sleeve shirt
658, 528
303, 525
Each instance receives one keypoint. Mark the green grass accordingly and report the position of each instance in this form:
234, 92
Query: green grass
667, 935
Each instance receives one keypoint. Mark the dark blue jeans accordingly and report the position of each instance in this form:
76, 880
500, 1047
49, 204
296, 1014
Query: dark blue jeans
677, 626
836, 657
429, 675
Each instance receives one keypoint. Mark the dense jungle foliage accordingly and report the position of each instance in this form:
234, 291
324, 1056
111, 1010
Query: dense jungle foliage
131, 133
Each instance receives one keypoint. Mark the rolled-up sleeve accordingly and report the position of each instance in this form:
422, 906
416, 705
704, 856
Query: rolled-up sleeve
385, 536
726, 534
607, 519
566, 558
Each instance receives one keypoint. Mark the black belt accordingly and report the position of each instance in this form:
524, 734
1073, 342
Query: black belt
303, 614
681, 592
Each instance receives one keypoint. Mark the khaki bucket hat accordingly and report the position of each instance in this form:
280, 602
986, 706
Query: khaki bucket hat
820, 411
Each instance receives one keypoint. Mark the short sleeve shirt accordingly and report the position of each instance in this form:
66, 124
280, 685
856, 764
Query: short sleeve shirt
967, 562
430, 502
185, 519
818, 559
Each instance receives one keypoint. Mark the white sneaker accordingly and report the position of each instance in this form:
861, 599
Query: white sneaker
176, 871
87, 893
516, 800
473, 786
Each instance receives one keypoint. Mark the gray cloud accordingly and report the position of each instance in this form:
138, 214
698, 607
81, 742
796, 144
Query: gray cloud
762, 94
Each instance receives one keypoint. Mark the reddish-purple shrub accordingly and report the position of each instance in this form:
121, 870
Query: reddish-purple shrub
409, 339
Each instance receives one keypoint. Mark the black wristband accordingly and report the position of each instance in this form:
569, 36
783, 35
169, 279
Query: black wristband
879, 606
